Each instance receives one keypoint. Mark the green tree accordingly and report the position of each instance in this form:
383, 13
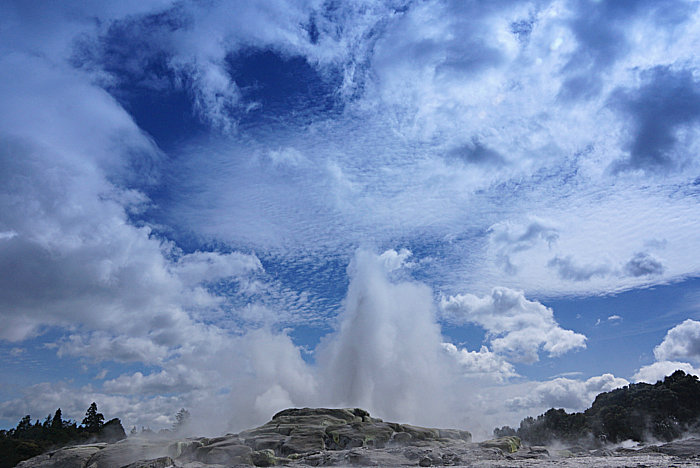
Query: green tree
24, 425
47, 422
504, 431
182, 418
93, 420
57, 422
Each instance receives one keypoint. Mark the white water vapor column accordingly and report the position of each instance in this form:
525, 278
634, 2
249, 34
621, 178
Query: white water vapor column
386, 356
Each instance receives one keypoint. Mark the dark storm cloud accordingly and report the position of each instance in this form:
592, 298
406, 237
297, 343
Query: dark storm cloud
667, 101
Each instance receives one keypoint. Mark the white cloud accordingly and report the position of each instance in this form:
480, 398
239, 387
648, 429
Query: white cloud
507, 239
660, 369
394, 260
287, 157
482, 364
79, 262
176, 378
68, 152
100, 346
446, 76
76, 245
515, 326
198, 267
43, 399
570, 394
680, 342
615, 319
422, 89
596, 250
484, 123
7, 235
216, 96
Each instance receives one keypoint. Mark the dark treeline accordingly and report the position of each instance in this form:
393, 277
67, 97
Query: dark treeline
30, 439
640, 412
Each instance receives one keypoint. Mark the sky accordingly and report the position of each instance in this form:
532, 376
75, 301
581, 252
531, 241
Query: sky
449, 213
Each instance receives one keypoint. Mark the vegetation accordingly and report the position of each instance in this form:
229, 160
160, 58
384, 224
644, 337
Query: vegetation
28, 440
182, 419
93, 420
663, 411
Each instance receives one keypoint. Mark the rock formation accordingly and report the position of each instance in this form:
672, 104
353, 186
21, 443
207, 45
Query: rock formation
340, 437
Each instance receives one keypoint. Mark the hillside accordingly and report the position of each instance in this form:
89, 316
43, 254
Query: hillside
641, 412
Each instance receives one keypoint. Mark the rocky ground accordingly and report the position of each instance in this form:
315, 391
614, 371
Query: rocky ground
351, 437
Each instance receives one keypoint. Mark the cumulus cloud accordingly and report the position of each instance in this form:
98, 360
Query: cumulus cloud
67, 201
74, 167
515, 325
77, 246
483, 364
658, 370
570, 394
680, 342
394, 260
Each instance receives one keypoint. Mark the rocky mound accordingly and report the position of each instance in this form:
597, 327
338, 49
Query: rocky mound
296, 431
321, 437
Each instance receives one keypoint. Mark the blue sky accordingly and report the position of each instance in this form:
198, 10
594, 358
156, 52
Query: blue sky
240, 207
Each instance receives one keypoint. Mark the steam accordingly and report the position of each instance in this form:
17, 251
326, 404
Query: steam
387, 356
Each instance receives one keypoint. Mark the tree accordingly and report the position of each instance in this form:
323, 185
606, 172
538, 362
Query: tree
24, 425
663, 411
93, 420
504, 431
181, 419
57, 422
